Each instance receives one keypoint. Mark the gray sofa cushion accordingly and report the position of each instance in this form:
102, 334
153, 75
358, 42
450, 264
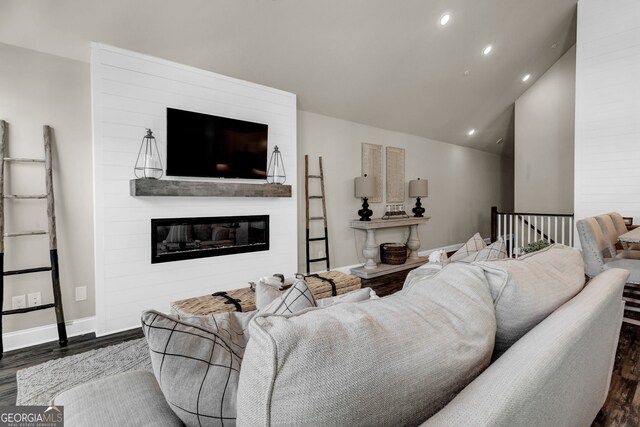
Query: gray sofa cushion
197, 364
357, 364
528, 289
134, 398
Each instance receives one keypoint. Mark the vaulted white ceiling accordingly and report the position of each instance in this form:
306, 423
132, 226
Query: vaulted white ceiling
388, 64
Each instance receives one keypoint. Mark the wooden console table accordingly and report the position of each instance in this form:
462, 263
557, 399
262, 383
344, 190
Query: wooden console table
370, 251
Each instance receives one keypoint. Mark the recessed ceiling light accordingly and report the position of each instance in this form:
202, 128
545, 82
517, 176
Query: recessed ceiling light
444, 19
471, 132
487, 50
526, 77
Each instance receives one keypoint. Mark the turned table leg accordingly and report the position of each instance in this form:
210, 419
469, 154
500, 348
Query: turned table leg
370, 250
413, 243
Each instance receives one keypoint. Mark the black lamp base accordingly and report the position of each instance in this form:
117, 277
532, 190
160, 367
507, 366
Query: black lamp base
365, 213
418, 211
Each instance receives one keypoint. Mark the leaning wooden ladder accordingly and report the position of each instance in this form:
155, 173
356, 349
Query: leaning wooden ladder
310, 218
53, 251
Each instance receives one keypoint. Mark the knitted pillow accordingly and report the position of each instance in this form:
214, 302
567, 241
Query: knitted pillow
197, 363
496, 250
472, 246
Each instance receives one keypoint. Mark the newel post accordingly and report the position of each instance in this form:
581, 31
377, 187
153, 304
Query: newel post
494, 223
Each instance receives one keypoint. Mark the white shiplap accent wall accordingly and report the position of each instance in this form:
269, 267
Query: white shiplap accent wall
130, 92
607, 146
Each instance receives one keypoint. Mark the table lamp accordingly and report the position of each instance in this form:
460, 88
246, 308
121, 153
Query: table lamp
365, 188
417, 189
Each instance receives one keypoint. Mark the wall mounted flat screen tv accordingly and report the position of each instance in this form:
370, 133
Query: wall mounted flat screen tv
202, 145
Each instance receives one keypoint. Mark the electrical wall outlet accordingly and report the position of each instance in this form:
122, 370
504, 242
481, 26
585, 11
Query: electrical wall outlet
19, 301
81, 293
34, 299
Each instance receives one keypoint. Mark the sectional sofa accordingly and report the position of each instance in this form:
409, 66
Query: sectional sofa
505, 343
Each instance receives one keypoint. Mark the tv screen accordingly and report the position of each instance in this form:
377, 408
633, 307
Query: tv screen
201, 145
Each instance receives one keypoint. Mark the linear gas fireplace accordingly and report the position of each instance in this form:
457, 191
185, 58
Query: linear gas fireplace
175, 239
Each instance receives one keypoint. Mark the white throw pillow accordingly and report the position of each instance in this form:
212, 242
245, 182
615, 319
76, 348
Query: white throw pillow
496, 250
526, 290
473, 245
267, 290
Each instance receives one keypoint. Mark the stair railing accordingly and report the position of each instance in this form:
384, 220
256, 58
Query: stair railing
519, 229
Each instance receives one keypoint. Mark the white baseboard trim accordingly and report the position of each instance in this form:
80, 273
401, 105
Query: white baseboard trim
48, 333
427, 252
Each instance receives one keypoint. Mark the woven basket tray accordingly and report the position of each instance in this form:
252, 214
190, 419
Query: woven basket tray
246, 301
393, 253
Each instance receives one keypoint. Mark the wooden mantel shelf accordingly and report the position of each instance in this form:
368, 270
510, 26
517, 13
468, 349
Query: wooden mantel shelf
167, 188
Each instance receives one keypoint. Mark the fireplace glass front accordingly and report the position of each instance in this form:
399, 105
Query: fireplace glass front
175, 239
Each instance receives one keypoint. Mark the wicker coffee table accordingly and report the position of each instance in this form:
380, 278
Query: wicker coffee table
322, 285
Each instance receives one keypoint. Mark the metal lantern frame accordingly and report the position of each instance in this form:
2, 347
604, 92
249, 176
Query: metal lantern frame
142, 170
275, 172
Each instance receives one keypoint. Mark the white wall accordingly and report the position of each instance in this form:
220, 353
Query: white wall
463, 185
38, 89
544, 141
607, 151
130, 92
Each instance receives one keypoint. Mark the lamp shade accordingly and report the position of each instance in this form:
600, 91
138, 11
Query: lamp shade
364, 186
418, 188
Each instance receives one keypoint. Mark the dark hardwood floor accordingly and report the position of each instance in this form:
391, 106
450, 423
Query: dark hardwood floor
15, 360
622, 408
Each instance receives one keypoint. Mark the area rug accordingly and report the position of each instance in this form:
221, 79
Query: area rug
39, 384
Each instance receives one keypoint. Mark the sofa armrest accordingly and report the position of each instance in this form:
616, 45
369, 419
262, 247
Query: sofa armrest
557, 374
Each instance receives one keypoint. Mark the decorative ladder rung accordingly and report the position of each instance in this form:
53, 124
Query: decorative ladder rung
315, 239
25, 196
27, 271
315, 176
318, 259
316, 197
23, 160
25, 233
28, 309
